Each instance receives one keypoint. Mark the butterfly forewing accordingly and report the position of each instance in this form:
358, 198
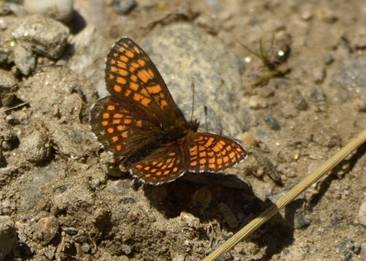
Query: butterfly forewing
213, 153
120, 129
163, 165
131, 75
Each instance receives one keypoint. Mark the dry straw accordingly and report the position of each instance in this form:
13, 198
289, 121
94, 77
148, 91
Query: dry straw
288, 197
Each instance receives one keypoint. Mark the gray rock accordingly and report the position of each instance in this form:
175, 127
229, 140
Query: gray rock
299, 101
85, 247
186, 55
89, 57
328, 59
123, 6
362, 214
60, 10
363, 251
45, 35
126, 249
317, 95
36, 147
70, 230
179, 257
54, 87
49, 252
24, 59
8, 236
77, 198
75, 141
7, 81
47, 229
347, 248
301, 220
6, 56
3, 24
349, 80
33, 185
272, 122
8, 85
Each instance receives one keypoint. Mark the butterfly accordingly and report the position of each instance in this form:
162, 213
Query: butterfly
141, 124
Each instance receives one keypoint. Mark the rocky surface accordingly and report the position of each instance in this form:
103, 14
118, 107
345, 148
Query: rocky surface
292, 104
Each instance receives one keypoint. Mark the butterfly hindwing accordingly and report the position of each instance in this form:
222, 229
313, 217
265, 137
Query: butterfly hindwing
120, 129
162, 165
212, 153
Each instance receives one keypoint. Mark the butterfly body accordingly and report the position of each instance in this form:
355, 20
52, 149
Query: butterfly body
141, 124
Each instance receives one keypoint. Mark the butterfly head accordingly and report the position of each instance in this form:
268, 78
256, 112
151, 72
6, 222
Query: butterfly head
193, 125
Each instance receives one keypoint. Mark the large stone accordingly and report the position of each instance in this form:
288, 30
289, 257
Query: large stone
45, 35
186, 55
8, 236
61, 10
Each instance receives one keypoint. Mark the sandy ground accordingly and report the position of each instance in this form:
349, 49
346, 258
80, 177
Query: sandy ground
292, 109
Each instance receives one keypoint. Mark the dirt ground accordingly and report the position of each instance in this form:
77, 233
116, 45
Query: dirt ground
292, 108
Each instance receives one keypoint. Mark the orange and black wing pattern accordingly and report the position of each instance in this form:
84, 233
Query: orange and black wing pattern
213, 153
119, 128
140, 122
161, 166
132, 76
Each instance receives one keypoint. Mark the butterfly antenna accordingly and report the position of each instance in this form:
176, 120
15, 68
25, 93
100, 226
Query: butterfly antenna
206, 123
193, 94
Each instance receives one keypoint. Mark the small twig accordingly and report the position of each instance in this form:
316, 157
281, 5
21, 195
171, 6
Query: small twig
289, 196
16, 106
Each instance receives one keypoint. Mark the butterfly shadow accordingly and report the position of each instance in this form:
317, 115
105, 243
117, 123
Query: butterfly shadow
223, 199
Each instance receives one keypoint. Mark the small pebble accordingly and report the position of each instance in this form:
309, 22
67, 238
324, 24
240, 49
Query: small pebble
328, 59
11, 119
362, 214
299, 101
189, 219
317, 96
126, 249
359, 38
328, 16
49, 252
301, 221
61, 10
47, 229
225, 257
3, 24
179, 257
257, 103
272, 122
249, 139
8, 236
7, 81
35, 147
123, 6
363, 251
359, 103
319, 74
70, 230
347, 248
85, 247
24, 59
306, 15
